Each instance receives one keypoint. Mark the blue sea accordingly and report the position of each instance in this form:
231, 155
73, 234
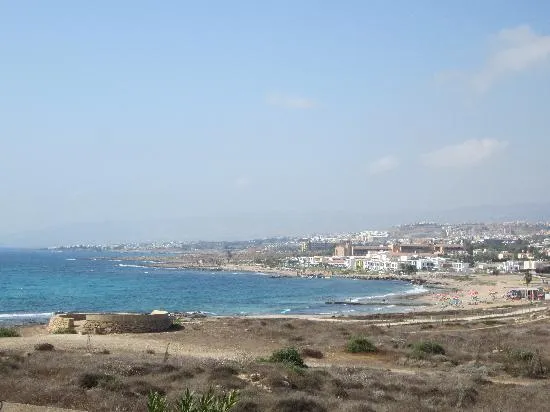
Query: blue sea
36, 283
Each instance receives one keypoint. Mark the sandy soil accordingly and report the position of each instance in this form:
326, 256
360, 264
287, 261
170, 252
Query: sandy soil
246, 338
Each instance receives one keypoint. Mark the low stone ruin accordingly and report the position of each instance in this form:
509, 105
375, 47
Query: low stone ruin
104, 323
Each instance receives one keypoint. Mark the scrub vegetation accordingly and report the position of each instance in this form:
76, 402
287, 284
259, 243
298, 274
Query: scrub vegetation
463, 365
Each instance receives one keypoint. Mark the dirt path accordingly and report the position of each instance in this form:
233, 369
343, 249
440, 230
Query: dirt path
516, 313
20, 407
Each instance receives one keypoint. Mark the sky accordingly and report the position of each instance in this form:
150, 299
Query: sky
220, 119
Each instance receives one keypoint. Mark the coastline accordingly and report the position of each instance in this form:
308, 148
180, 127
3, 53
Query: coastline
436, 292
444, 291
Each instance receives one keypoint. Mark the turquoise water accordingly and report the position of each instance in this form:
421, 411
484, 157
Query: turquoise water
36, 283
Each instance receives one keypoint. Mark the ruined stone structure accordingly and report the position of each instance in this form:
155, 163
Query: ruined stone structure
99, 323
64, 321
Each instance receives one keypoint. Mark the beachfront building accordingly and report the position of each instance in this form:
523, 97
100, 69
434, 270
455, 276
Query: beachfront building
460, 266
347, 248
424, 264
339, 262
381, 259
379, 262
321, 247
520, 265
323, 262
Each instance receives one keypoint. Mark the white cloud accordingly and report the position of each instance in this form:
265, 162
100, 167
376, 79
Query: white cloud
512, 51
465, 154
290, 102
383, 165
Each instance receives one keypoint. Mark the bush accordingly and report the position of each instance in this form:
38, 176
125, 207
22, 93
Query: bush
521, 355
223, 371
44, 347
492, 322
6, 367
428, 348
298, 404
65, 331
289, 356
360, 345
144, 388
156, 402
177, 324
92, 380
525, 363
312, 353
190, 402
9, 333
224, 376
306, 381
536, 368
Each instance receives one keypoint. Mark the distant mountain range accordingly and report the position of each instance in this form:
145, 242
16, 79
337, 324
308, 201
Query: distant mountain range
261, 225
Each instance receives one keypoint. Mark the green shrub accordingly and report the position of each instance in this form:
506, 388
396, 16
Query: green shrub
289, 356
360, 344
44, 347
207, 402
520, 362
64, 331
492, 322
520, 355
92, 380
191, 402
156, 402
9, 333
428, 348
177, 324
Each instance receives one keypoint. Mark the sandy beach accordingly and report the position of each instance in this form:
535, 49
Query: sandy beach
474, 290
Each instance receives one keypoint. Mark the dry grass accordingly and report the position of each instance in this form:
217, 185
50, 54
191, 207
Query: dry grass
495, 366
9, 333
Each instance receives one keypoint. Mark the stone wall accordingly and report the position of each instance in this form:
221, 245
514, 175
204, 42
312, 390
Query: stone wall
60, 322
75, 316
96, 323
126, 323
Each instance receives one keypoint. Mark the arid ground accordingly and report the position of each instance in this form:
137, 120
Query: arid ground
492, 360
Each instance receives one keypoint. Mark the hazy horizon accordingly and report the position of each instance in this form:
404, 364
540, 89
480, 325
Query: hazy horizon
262, 225
136, 121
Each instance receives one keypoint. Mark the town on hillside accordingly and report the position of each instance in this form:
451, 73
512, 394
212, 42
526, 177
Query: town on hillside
420, 247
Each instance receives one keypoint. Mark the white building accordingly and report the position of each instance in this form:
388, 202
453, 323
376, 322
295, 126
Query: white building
460, 266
